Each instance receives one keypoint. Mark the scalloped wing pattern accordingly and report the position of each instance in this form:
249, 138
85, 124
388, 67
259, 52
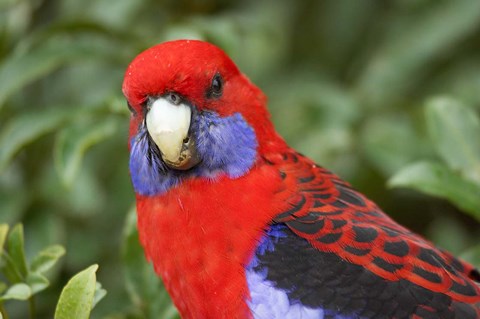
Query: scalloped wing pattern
335, 218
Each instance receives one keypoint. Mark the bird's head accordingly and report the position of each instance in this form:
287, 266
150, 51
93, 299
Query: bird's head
194, 114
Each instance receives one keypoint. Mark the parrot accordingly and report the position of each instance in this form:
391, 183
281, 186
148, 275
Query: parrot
240, 225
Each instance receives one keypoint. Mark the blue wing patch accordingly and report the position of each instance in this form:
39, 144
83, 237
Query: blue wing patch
270, 302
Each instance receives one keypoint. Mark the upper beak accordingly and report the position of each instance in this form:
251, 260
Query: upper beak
168, 123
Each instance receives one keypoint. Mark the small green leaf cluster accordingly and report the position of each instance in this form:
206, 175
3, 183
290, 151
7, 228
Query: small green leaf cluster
23, 280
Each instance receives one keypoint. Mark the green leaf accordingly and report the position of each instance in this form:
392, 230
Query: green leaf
46, 258
16, 251
3, 236
76, 299
438, 180
455, 131
143, 285
19, 291
25, 128
72, 143
99, 294
37, 282
8, 268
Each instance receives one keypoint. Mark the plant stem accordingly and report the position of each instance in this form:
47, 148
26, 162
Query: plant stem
3, 311
31, 307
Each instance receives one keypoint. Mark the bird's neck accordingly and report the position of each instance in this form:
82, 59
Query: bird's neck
201, 235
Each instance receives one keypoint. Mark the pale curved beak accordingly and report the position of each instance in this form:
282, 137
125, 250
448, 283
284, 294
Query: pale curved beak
168, 125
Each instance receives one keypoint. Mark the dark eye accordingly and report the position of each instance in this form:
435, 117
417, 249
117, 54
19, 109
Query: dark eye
216, 88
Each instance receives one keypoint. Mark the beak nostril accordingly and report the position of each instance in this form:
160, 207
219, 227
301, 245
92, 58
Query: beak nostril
186, 140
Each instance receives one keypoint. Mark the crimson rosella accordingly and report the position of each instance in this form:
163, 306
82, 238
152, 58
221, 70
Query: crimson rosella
240, 225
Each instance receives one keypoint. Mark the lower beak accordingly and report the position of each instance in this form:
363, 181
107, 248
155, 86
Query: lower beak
168, 125
187, 158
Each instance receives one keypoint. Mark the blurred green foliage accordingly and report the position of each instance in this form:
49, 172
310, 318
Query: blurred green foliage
373, 90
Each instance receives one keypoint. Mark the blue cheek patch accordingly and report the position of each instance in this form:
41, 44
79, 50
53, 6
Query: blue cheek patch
225, 145
149, 174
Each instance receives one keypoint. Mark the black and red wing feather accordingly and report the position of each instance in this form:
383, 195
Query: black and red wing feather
335, 218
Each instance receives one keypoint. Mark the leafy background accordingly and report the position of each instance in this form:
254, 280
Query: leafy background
386, 94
